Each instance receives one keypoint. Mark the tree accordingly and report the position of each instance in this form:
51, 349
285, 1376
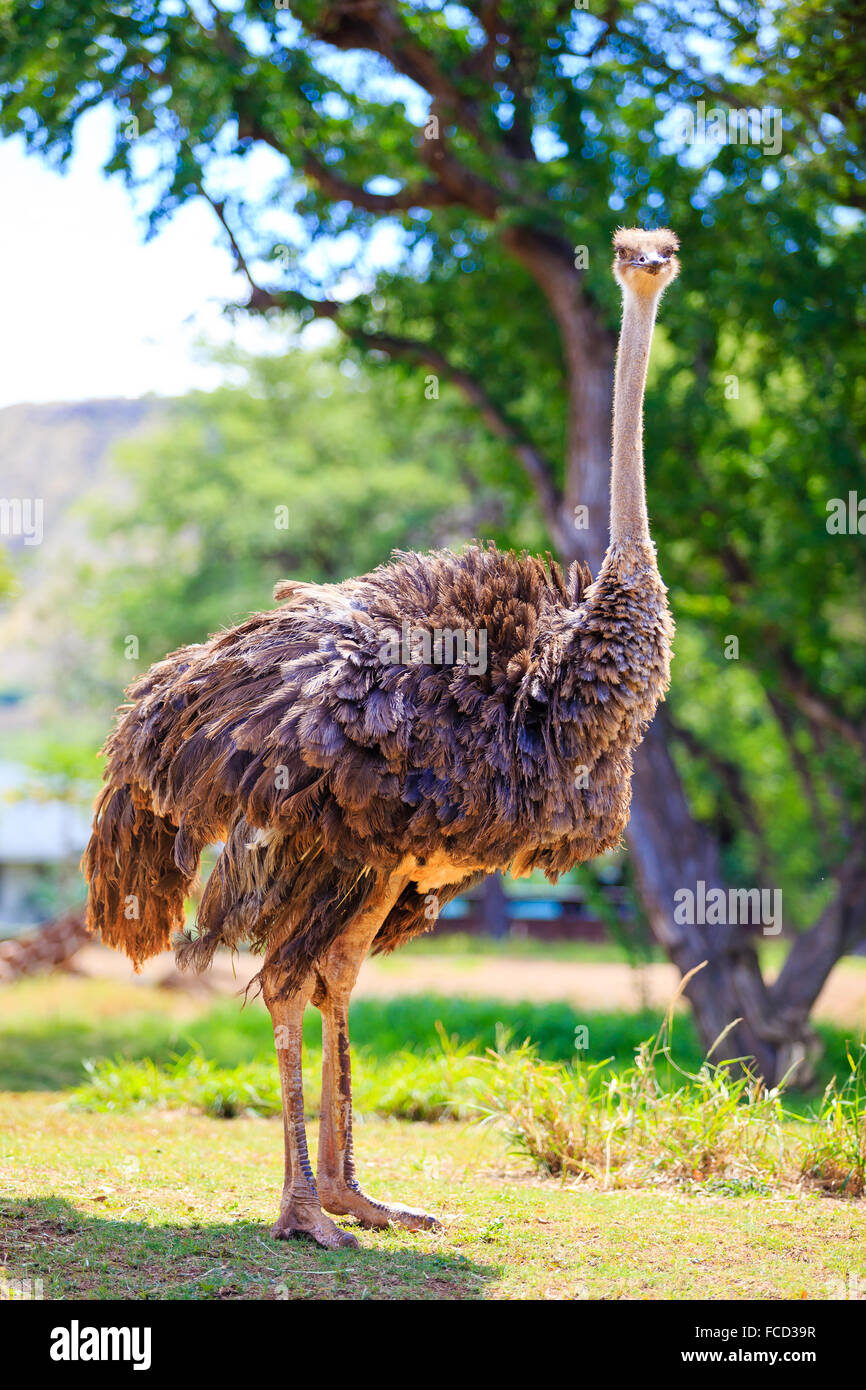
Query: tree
307, 468
499, 143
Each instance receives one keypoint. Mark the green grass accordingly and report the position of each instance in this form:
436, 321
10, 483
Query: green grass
222, 1062
50, 1027
47, 1029
620, 1127
836, 1153
173, 1205
130, 1181
404, 1085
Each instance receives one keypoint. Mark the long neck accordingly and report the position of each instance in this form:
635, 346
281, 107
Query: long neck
628, 513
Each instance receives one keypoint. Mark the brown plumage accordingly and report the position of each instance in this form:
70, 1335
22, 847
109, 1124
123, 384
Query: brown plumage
316, 762
358, 771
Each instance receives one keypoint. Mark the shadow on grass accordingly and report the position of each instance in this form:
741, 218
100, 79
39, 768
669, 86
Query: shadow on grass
100, 1257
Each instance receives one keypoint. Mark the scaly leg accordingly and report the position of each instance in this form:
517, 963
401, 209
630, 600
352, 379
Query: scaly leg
300, 1211
338, 1185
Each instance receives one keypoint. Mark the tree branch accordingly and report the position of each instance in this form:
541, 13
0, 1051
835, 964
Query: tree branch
352, 24
787, 724
537, 468
454, 182
731, 776
817, 709
462, 184
428, 194
588, 353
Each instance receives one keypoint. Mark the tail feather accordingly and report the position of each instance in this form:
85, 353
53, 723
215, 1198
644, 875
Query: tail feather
137, 889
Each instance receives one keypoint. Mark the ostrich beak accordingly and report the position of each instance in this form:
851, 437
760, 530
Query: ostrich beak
650, 262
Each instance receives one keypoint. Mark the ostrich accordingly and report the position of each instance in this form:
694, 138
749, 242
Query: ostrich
358, 775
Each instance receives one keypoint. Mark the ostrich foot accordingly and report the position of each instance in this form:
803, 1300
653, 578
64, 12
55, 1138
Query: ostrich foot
351, 1201
315, 1226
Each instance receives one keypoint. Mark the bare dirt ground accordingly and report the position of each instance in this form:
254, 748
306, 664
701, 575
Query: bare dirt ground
590, 985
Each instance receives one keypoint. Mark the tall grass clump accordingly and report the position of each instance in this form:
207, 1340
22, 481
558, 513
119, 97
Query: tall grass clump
720, 1127
629, 1127
835, 1157
626, 1129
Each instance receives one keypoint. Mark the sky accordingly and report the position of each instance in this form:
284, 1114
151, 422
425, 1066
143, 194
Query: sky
87, 308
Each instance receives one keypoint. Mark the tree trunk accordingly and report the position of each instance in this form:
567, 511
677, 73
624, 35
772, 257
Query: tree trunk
671, 850
494, 907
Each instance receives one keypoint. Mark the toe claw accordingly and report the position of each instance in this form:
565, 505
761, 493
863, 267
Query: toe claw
373, 1215
415, 1220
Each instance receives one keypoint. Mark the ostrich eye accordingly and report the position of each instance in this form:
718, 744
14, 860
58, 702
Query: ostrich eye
622, 253
668, 251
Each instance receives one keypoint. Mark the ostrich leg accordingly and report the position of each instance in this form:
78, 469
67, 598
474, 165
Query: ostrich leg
300, 1211
338, 1185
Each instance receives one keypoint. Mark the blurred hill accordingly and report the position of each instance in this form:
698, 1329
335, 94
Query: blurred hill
60, 453
60, 450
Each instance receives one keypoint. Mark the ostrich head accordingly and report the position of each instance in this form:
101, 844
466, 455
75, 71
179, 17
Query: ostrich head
645, 261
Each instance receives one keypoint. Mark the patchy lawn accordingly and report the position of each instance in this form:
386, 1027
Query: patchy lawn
127, 1199
174, 1205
